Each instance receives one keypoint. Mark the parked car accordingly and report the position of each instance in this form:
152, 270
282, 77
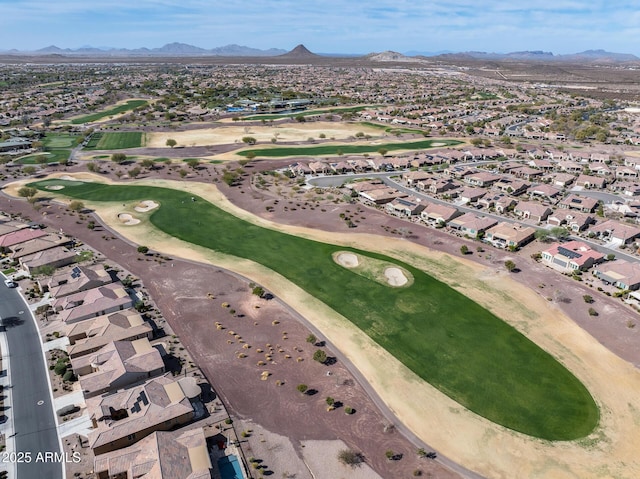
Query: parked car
10, 283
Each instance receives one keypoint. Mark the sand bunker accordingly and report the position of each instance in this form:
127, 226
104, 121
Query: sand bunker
55, 187
348, 260
438, 143
127, 219
146, 205
395, 277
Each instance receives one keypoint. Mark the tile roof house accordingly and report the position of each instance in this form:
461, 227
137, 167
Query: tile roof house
509, 235
580, 203
511, 186
532, 210
563, 179
471, 195
20, 236
572, 220
124, 417
116, 365
406, 207
381, 195
53, 258
622, 274
161, 455
482, 179
588, 181
77, 278
544, 191
571, 256
38, 244
92, 303
471, 224
88, 336
620, 233
412, 177
437, 214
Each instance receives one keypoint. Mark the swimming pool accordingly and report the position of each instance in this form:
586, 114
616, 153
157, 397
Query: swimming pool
229, 467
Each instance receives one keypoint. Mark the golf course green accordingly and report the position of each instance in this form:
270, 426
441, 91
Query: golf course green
448, 340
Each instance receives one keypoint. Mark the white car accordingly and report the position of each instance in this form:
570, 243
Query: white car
10, 283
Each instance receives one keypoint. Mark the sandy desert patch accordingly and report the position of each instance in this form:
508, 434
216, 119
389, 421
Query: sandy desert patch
395, 277
127, 219
146, 205
225, 135
493, 451
55, 187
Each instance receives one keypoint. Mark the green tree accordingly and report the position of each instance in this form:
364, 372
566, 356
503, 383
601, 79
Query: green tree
148, 163
383, 151
143, 249
258, 291
560, 233
193, 163
510, 265
76, 206
542, 235
303, 388
29, 170
249, 140
330, 401
134, 172
587, 298
171, 143
119, 158
464, 249
320, 356
312, 338
27, 192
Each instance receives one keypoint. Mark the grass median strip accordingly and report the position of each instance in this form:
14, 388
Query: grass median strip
445, 338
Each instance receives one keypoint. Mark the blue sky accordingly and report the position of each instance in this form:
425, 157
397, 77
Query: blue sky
340, 26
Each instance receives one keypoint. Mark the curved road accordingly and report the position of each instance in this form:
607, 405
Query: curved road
32, 410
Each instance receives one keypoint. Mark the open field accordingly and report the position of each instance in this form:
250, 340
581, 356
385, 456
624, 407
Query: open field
338, 149
128, 106
438, 333
116, 140
230, 134
334, 111
56, 146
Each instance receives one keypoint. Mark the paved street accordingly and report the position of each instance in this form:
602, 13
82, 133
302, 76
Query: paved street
31, 411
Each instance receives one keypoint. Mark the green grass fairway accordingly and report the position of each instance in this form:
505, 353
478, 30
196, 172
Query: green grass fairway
344, 149
115, 140
335, 111
392, 129
130, 105
56, 147
445, 338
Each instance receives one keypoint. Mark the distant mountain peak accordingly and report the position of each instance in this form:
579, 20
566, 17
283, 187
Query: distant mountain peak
300, 51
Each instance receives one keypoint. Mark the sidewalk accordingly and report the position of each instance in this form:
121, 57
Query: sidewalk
7, 428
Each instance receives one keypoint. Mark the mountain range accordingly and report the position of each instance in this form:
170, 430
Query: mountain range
301, 52
170, 49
